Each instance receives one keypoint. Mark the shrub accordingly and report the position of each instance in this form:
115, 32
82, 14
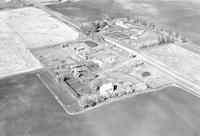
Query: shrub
88, 100
88, 28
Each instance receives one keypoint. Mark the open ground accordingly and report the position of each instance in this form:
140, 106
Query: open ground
14, 57
177, 60
35, 27
28, 27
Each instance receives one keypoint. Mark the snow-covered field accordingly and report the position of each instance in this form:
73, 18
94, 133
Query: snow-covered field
35, 27
14, 57
28, 28
177, 60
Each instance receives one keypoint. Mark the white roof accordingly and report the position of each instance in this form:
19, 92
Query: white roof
106, 86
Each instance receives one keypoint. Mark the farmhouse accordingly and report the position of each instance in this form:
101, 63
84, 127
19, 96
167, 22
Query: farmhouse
106, 89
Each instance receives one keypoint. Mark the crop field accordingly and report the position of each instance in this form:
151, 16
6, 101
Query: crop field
16, 58
178, 60
35, 27
10, 4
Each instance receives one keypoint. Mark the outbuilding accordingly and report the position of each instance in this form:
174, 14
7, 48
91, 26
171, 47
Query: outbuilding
106, 89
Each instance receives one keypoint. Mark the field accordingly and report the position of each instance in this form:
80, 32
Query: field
28, 28
28, 107
14, 57
6, 4
154, 78
35, 28
177, 60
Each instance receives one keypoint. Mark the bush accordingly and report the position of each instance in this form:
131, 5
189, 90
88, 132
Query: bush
88, 101
92, 27
88, 28
98, 38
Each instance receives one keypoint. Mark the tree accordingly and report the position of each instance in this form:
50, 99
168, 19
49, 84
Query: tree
98, 38
88, 28
161, 39
103, 24
88, 100
183, 39
144, 23
180, 38
137, 21
128, 19
171, 35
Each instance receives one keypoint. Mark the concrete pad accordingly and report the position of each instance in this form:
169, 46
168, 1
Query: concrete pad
35, 27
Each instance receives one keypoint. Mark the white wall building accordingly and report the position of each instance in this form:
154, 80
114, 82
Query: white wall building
106, 89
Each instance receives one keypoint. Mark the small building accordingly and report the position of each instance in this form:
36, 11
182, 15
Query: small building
136, 32
63, 45
133, 37
106, 89
110, 59
80, 49
122, 22
77, 71
83, 55
98, 62
140, 87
